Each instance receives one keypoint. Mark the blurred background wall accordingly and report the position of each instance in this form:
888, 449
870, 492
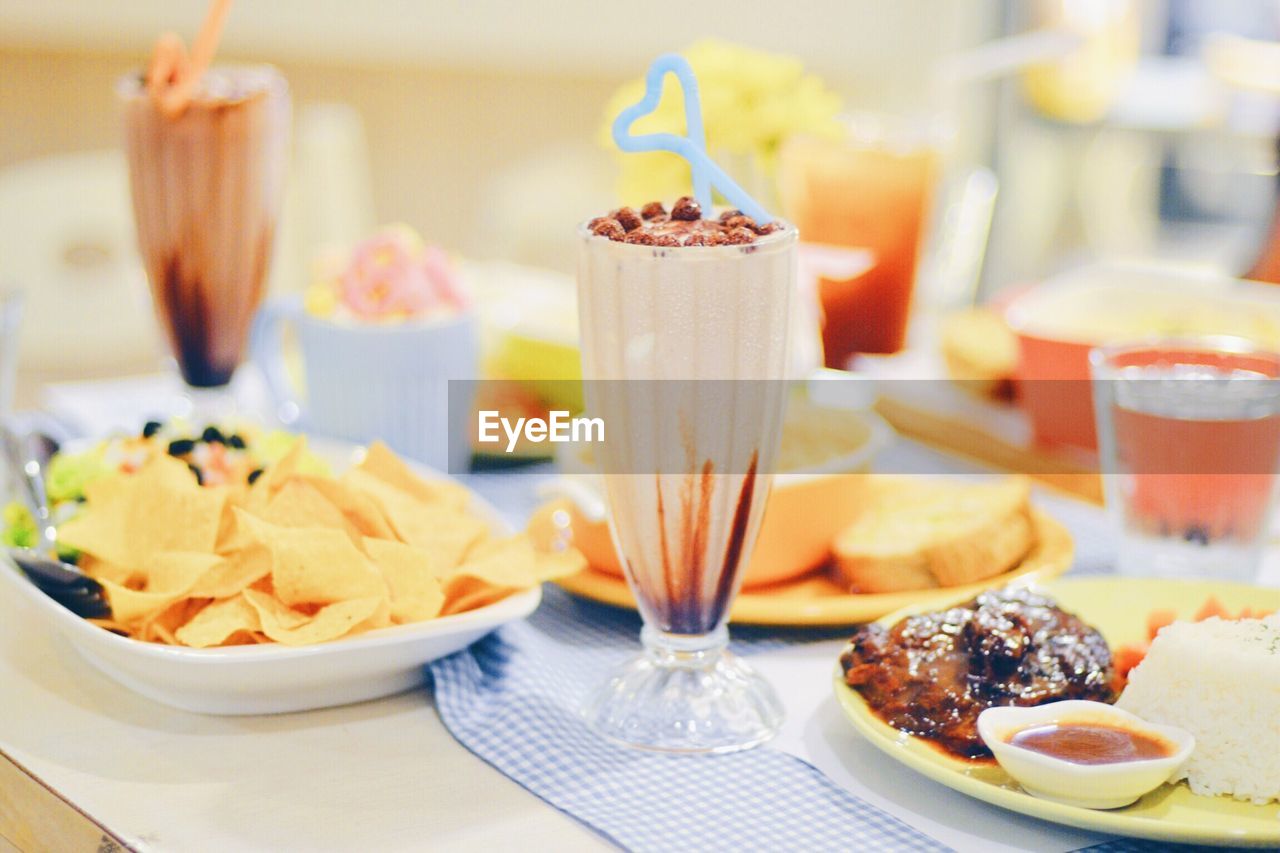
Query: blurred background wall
477, 123
474, 121
458, 96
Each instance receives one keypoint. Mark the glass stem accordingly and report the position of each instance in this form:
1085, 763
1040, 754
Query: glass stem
684, 651
206, 406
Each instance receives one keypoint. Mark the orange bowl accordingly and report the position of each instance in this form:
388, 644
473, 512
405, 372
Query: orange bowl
1059, 321
1053, 389
806, 507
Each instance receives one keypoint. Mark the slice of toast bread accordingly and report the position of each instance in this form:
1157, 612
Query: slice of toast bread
917, 534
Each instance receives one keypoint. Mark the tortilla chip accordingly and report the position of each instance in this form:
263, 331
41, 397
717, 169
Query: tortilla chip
235, 572
448, 534
316, 565
236, 533
103, 490
282, 616
381, 618
381, 462
291, 628
219, 623
171, 511
359, 509
468, 593
275, 475
299, 504
99, 569
442, 531
178, 571
226, 541
256, 498
296, 558
491, 571
167, 577
111, 625
497, 568
130, 606
160, 508
161, 627
509, 562
101, 531
416, 593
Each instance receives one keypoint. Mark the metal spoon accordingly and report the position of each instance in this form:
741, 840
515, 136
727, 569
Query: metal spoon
62, 582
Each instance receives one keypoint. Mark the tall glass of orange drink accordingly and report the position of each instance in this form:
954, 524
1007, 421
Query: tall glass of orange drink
870, 189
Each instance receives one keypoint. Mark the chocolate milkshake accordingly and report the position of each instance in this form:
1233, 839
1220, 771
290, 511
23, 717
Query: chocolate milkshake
207, 184
684, 323
690, 314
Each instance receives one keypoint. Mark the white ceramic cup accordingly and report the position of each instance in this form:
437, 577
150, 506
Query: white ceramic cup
376, 382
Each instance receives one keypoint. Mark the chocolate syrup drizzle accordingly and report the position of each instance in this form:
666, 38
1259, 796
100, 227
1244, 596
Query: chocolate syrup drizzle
207, 321
681, 608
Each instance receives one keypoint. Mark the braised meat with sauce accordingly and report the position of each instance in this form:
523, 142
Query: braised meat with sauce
931, 675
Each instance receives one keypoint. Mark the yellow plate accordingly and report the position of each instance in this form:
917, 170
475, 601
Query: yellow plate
816, 600
1117, 607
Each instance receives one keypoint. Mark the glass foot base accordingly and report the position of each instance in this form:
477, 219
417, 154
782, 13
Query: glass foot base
678, 698
202, 407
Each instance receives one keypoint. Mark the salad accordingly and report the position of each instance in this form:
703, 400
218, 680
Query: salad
216, 456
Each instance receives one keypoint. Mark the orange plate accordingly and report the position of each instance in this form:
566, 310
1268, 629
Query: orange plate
816, 600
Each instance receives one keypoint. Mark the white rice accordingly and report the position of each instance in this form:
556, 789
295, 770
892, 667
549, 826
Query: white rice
1220, 680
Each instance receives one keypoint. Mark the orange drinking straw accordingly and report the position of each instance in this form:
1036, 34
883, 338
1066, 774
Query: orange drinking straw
173, 75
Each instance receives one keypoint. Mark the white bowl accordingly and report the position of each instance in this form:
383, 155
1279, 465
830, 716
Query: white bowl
272, 679
1090, 786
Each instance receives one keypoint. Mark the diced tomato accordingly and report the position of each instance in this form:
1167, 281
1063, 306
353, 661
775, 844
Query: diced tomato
214, 464
1125, 659
1212, 607
1157, 619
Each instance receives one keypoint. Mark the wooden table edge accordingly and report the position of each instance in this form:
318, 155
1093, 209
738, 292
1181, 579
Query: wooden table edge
36, 817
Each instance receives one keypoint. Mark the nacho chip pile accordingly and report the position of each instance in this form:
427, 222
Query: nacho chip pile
296, 558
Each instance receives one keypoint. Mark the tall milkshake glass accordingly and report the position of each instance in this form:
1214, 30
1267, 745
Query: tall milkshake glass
207, 185
684, 356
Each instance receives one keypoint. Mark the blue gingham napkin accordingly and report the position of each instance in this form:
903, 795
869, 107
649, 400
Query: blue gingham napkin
513, 700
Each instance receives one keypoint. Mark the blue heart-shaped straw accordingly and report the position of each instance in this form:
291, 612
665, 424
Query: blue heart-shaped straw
693, 147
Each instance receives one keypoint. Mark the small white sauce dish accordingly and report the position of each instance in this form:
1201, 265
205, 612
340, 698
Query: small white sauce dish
1091, 786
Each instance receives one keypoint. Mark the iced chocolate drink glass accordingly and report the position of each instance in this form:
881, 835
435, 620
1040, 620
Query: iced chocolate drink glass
684, 324
207, 185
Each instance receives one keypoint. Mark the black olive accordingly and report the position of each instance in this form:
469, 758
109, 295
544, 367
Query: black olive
150, 428
199, 476
254, 475
235, 441
181, 446
1196, 534
213, 435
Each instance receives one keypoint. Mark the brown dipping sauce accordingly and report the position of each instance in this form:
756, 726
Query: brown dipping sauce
1091, 743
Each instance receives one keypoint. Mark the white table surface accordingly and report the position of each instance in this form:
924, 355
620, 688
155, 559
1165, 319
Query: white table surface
380, 775
386, 774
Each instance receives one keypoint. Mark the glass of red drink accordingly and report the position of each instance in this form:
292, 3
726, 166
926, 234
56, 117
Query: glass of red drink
1189, 442
871, 189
